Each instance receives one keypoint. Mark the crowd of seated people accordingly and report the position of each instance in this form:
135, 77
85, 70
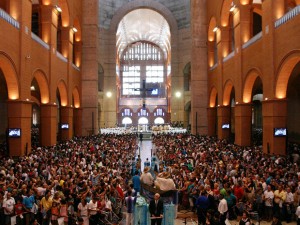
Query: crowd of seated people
206, 169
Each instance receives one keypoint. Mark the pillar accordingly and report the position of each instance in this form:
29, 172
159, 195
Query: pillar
223, 118
77, 121
274, 116
89, 79
199, 93
66, 118
212, 121
243, 126
48, 127
19, 117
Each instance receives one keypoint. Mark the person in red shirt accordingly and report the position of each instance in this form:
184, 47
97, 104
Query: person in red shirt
238, 191
19, 210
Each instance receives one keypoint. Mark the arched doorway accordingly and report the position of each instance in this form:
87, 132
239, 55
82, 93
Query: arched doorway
3, 115
159, 121
36, 113
293, 107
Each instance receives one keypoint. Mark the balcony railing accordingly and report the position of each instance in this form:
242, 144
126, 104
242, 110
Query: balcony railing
60, 56
288, 16
4, 15
37, 39
252, 40
229, 56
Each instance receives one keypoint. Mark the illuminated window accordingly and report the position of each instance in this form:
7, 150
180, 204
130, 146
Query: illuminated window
143, 61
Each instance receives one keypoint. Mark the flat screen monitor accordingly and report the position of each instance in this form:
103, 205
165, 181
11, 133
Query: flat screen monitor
225, 126
280, 132
14, 132
64, 126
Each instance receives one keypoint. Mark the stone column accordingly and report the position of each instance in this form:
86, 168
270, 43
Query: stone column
199, 94
90, 67
243, 126
274, 116
223, 118
48, 128
212, 121
77, 112
66, 117
19, 116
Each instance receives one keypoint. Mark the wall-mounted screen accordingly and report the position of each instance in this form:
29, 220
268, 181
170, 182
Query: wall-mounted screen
64, 126
280, 132
14, 132
225, 126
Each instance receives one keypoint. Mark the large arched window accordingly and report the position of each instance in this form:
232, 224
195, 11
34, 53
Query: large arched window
142, 64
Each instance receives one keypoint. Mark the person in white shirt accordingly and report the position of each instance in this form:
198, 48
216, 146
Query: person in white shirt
83, 211
223, 209
268, 198
288, 205
146, 177
9, 207
93, 210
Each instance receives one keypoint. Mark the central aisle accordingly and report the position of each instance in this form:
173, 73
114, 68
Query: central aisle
145, 147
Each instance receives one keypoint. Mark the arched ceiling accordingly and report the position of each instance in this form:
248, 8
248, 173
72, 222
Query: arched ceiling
179, 8
143, 25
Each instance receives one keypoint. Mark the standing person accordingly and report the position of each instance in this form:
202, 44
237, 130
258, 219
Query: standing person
93, 210
156, 208
83, 211
129, 202
202, 205
146, 177
136, 182
141, 137
19, 210
46, 204
223, 209
9, 208
268, 198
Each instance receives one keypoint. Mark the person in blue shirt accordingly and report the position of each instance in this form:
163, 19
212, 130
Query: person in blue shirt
136, 182
202, 205
28, 202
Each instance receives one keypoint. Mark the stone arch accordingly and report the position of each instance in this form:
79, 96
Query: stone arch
10, 73
227, 92
78, 34
65, 14
156, 6
41, 79
249, 82
225, 12
213, 96
211, 26
62, 88
284, 72
76, 97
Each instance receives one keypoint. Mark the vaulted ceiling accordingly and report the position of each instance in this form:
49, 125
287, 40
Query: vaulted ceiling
179, 8
143, 25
